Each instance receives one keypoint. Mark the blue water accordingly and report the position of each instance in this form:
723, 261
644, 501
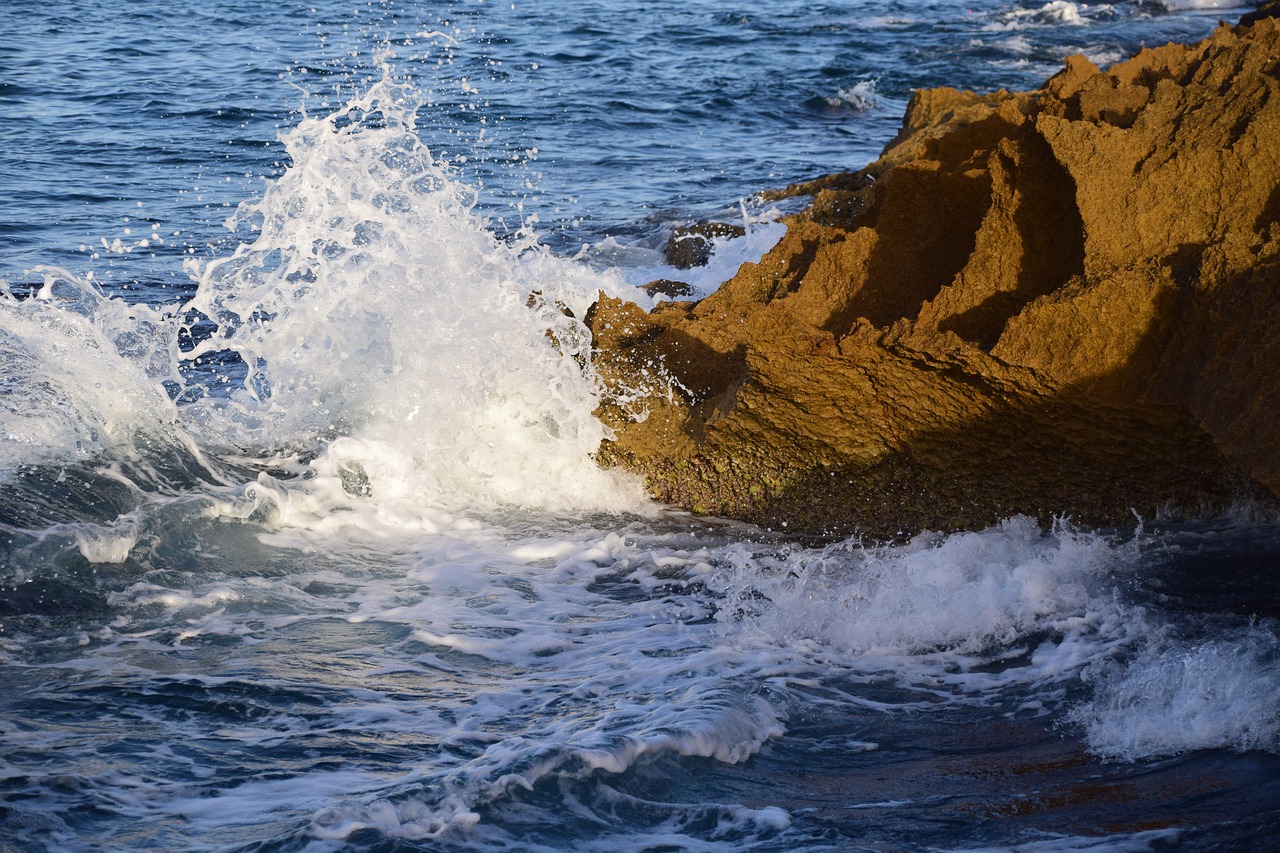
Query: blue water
117, 119
301, 543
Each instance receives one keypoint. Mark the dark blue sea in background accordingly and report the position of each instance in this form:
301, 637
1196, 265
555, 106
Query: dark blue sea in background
301, 542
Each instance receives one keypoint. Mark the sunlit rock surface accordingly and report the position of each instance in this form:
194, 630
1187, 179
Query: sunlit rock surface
1061, 302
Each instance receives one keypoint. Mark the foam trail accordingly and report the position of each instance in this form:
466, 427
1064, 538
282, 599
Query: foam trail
729, 734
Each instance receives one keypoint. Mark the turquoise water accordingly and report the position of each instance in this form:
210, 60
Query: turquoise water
301, 542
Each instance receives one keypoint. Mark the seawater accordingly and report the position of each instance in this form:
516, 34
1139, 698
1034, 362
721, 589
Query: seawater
301, 542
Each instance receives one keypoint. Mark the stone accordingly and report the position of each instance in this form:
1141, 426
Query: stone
1062, 303
690, 245
669, 288
1269, 9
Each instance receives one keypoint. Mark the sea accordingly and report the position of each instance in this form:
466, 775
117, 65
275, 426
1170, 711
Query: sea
302, 543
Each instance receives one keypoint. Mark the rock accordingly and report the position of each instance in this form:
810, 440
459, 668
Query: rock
1265, 10
669, 288
690, 245
1062, 302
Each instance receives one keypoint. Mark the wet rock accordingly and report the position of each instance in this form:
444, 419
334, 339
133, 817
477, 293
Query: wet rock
1063, 302
1265, 10
669, 288
690, 245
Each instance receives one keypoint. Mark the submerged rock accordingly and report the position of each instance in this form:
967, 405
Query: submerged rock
668, 288
690, 245
1061, 302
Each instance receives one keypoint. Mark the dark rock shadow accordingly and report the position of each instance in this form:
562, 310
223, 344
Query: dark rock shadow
1052, 243
927, 221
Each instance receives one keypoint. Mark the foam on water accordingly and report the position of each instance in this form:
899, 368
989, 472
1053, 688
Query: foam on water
958, 595
1120, 843
1178, 696
1182, 5
506, 672
858, 97
499, 679
387, 608
641, 264
1053, 13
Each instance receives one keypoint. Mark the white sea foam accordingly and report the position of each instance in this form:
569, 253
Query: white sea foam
1123, 842
1053, 13
655, 676
513, 673
367, 638
1177, 696
517, 764
1186, 5
1102, 56
962, 593
858, 97
1020, 45
575, 656
640, 265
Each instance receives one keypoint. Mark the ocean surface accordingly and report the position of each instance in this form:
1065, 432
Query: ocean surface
301, 542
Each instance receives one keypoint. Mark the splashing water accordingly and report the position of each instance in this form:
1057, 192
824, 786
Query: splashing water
373, 329
81, 376
374, 310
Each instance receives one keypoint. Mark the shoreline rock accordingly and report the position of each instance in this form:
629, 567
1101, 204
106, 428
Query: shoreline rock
1060, 302
690, 245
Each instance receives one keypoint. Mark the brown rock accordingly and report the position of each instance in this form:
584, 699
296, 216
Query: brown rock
1063, 302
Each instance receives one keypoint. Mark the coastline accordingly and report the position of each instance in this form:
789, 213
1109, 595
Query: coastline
1052, 303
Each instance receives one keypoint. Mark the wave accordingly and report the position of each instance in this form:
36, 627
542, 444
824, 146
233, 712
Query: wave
1188, 5
370, 327
1180, 695
1053, 13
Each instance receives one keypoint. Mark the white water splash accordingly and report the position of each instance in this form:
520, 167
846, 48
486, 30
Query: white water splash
381, 319
640, 265
81, 376
959, 594
1053, 13
859, 97
386, 336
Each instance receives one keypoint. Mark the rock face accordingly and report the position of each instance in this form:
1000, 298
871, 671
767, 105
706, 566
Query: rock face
1064, 301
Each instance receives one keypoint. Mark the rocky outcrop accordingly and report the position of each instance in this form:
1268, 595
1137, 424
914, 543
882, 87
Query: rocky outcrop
1060, 302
